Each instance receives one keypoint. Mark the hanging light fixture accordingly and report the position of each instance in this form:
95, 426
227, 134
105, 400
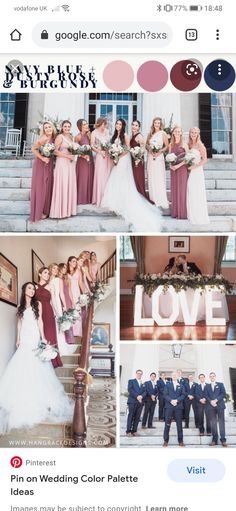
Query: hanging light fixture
176, 350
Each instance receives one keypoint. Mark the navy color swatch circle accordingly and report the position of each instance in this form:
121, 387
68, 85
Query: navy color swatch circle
219, 75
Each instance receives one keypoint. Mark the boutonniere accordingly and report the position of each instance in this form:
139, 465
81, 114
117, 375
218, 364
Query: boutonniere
216, 387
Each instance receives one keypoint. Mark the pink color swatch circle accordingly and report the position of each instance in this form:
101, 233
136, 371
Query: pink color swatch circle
152, 76
118, 75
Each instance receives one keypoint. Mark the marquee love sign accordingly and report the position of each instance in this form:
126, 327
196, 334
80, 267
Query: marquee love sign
179, 303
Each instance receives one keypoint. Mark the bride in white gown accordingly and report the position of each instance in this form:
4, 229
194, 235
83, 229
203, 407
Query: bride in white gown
197, 212
30, 391
121, 195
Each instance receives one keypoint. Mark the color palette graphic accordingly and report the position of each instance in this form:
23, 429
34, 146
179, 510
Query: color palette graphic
219, 75
185, 75
152, 76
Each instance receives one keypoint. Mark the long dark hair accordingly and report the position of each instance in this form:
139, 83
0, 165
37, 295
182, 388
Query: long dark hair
122, 133
34, 303
68, 265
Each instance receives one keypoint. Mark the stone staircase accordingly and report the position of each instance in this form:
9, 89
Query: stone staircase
154, 437
15, 182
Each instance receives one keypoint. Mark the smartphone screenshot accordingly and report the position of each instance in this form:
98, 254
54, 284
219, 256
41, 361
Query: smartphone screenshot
117, 255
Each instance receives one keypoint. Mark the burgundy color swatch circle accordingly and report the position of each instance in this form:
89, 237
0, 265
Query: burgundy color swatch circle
186, 75
152, 76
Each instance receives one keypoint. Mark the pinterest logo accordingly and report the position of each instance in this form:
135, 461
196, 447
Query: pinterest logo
16, 462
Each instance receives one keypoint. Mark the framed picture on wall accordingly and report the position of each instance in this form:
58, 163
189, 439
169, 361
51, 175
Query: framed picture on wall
8, 281
37, 263
100, 338
180, 244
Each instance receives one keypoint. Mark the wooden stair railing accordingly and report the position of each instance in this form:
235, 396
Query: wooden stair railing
80, 387
81, 373
108, 268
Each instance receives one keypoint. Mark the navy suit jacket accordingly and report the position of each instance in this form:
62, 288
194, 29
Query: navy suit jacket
192, 391
199, 393
135, 390
170, 393
150, 391
161, 386
182, 381
219, 394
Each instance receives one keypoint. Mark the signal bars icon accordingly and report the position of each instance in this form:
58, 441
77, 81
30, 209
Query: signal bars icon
65, 8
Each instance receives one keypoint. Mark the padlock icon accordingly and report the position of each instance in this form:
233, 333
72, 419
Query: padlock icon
44, 34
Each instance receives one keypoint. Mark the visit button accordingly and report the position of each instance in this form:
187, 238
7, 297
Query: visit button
196, 470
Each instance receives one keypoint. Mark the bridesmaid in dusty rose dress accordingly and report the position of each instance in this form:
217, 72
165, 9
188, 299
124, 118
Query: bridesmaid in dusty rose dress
64, 196
94, 268
84, 166
138, 169
66, 298
178, 175
73, 275
42, 176
103, 163
156, 169
43, 295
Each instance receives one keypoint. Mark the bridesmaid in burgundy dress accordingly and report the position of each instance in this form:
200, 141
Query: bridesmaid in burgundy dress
178, 175
42, 176
43, 295
84, 166
138, 170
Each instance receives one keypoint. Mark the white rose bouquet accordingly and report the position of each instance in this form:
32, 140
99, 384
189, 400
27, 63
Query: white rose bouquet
115, 151
47, 150
74, 149
46, 352
155, 149
137, 154
85, 151
171, 159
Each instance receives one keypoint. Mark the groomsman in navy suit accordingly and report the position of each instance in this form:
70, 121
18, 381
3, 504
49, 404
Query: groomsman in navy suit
150, 401
161, 401
136, 396
182, 381
203, 406
190, 400
174, 395
215, 394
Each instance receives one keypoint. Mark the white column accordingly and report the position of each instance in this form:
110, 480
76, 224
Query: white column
65, 106
160, 105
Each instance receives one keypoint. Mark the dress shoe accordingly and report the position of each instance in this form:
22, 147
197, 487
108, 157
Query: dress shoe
165, 444
224, 444
208, 434
144, 427
151, 427
213, 444
129, 434
135, 434
186, 426
181, 444
201, 434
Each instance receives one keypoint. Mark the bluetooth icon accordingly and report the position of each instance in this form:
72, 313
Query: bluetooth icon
159, 8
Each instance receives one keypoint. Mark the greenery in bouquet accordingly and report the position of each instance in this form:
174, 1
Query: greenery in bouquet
179, 282
74, 149
115, 151
168, 129
68, 319
99, 291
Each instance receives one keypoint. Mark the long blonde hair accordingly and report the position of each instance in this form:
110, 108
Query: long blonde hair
172, 140
198, 140
152, 129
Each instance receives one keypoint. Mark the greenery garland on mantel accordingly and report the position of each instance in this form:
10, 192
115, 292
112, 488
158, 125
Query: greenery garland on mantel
179, 282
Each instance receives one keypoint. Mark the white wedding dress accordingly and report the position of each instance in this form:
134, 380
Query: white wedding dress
30, 391
122, 197
197, 212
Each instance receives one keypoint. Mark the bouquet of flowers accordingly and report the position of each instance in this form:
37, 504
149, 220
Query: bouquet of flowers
99, 292
85, 150
137, 154
155, 149
46, 352
47, 150
84, 300
189, 159
115, 151
171, 159
68, 319
168, 130
74, 149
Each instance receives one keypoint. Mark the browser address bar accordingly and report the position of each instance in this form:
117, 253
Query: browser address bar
103, 35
